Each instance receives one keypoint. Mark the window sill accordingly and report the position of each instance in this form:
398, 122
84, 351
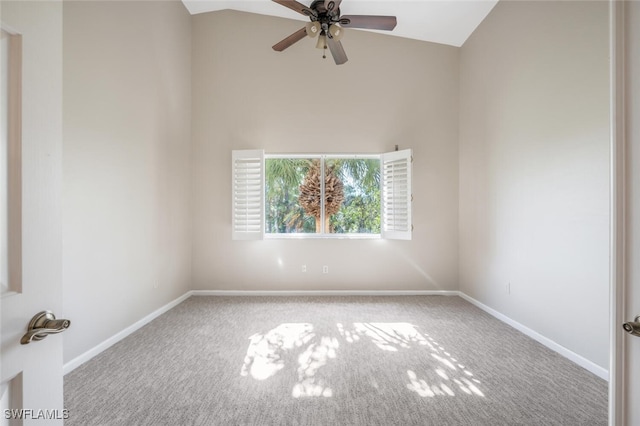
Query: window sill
322, 236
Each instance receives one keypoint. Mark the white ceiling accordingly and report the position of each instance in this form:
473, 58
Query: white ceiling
440, 21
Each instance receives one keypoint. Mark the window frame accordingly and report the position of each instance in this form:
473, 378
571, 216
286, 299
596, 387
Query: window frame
322, 234
395, 196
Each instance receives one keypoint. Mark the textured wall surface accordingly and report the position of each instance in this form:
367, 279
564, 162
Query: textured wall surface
534, 170
392, 91
127, 153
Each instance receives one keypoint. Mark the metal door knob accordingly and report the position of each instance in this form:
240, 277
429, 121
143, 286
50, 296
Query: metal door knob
43, 324
633, 328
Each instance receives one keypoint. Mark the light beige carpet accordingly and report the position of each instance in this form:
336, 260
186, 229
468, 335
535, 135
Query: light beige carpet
426, 360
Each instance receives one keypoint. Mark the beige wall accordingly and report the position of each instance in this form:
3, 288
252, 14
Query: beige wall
127, 112
392, 91
534, 170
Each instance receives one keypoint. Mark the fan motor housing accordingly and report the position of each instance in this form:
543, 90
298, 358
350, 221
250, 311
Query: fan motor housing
323, 16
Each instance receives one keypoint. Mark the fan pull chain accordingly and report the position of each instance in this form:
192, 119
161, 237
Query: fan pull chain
324, 52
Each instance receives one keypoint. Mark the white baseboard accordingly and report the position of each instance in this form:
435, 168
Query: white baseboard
81, 359
324, 293
581, 361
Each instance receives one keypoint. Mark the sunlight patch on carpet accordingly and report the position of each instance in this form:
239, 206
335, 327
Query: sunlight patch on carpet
309, 362
269, 352
264, 356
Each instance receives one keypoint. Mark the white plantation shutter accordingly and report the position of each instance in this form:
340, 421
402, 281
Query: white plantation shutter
248, 194
396, 195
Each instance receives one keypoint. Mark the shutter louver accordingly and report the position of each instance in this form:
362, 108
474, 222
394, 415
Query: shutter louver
396, 195
248, 190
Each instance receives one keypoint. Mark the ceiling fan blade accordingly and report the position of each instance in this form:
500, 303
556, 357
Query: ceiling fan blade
293, 38
372, 22
337, 51
298, 7
332, 6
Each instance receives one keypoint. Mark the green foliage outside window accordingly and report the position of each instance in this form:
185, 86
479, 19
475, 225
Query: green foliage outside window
352, 186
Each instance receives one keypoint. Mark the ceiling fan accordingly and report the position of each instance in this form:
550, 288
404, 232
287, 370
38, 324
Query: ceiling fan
325, 17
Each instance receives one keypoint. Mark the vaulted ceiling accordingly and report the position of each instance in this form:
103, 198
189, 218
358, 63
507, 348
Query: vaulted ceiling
439, 21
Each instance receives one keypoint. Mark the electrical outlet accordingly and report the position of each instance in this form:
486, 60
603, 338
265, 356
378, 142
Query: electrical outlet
325, 269
304, 268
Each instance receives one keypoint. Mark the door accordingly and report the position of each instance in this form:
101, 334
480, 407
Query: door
30, 208
632, 293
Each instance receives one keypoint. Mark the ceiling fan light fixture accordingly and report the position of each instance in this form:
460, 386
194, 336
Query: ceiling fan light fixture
313, 29
325, 16
322, 41
336, 32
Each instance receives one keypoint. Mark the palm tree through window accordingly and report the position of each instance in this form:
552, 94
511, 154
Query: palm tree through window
294, 189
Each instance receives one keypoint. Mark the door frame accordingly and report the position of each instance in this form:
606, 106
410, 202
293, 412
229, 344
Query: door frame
617, 216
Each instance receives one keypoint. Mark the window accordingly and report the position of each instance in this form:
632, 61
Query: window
284, 196
294, 198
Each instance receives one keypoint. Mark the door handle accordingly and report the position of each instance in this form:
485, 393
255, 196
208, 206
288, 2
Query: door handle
43, 324
633, 328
